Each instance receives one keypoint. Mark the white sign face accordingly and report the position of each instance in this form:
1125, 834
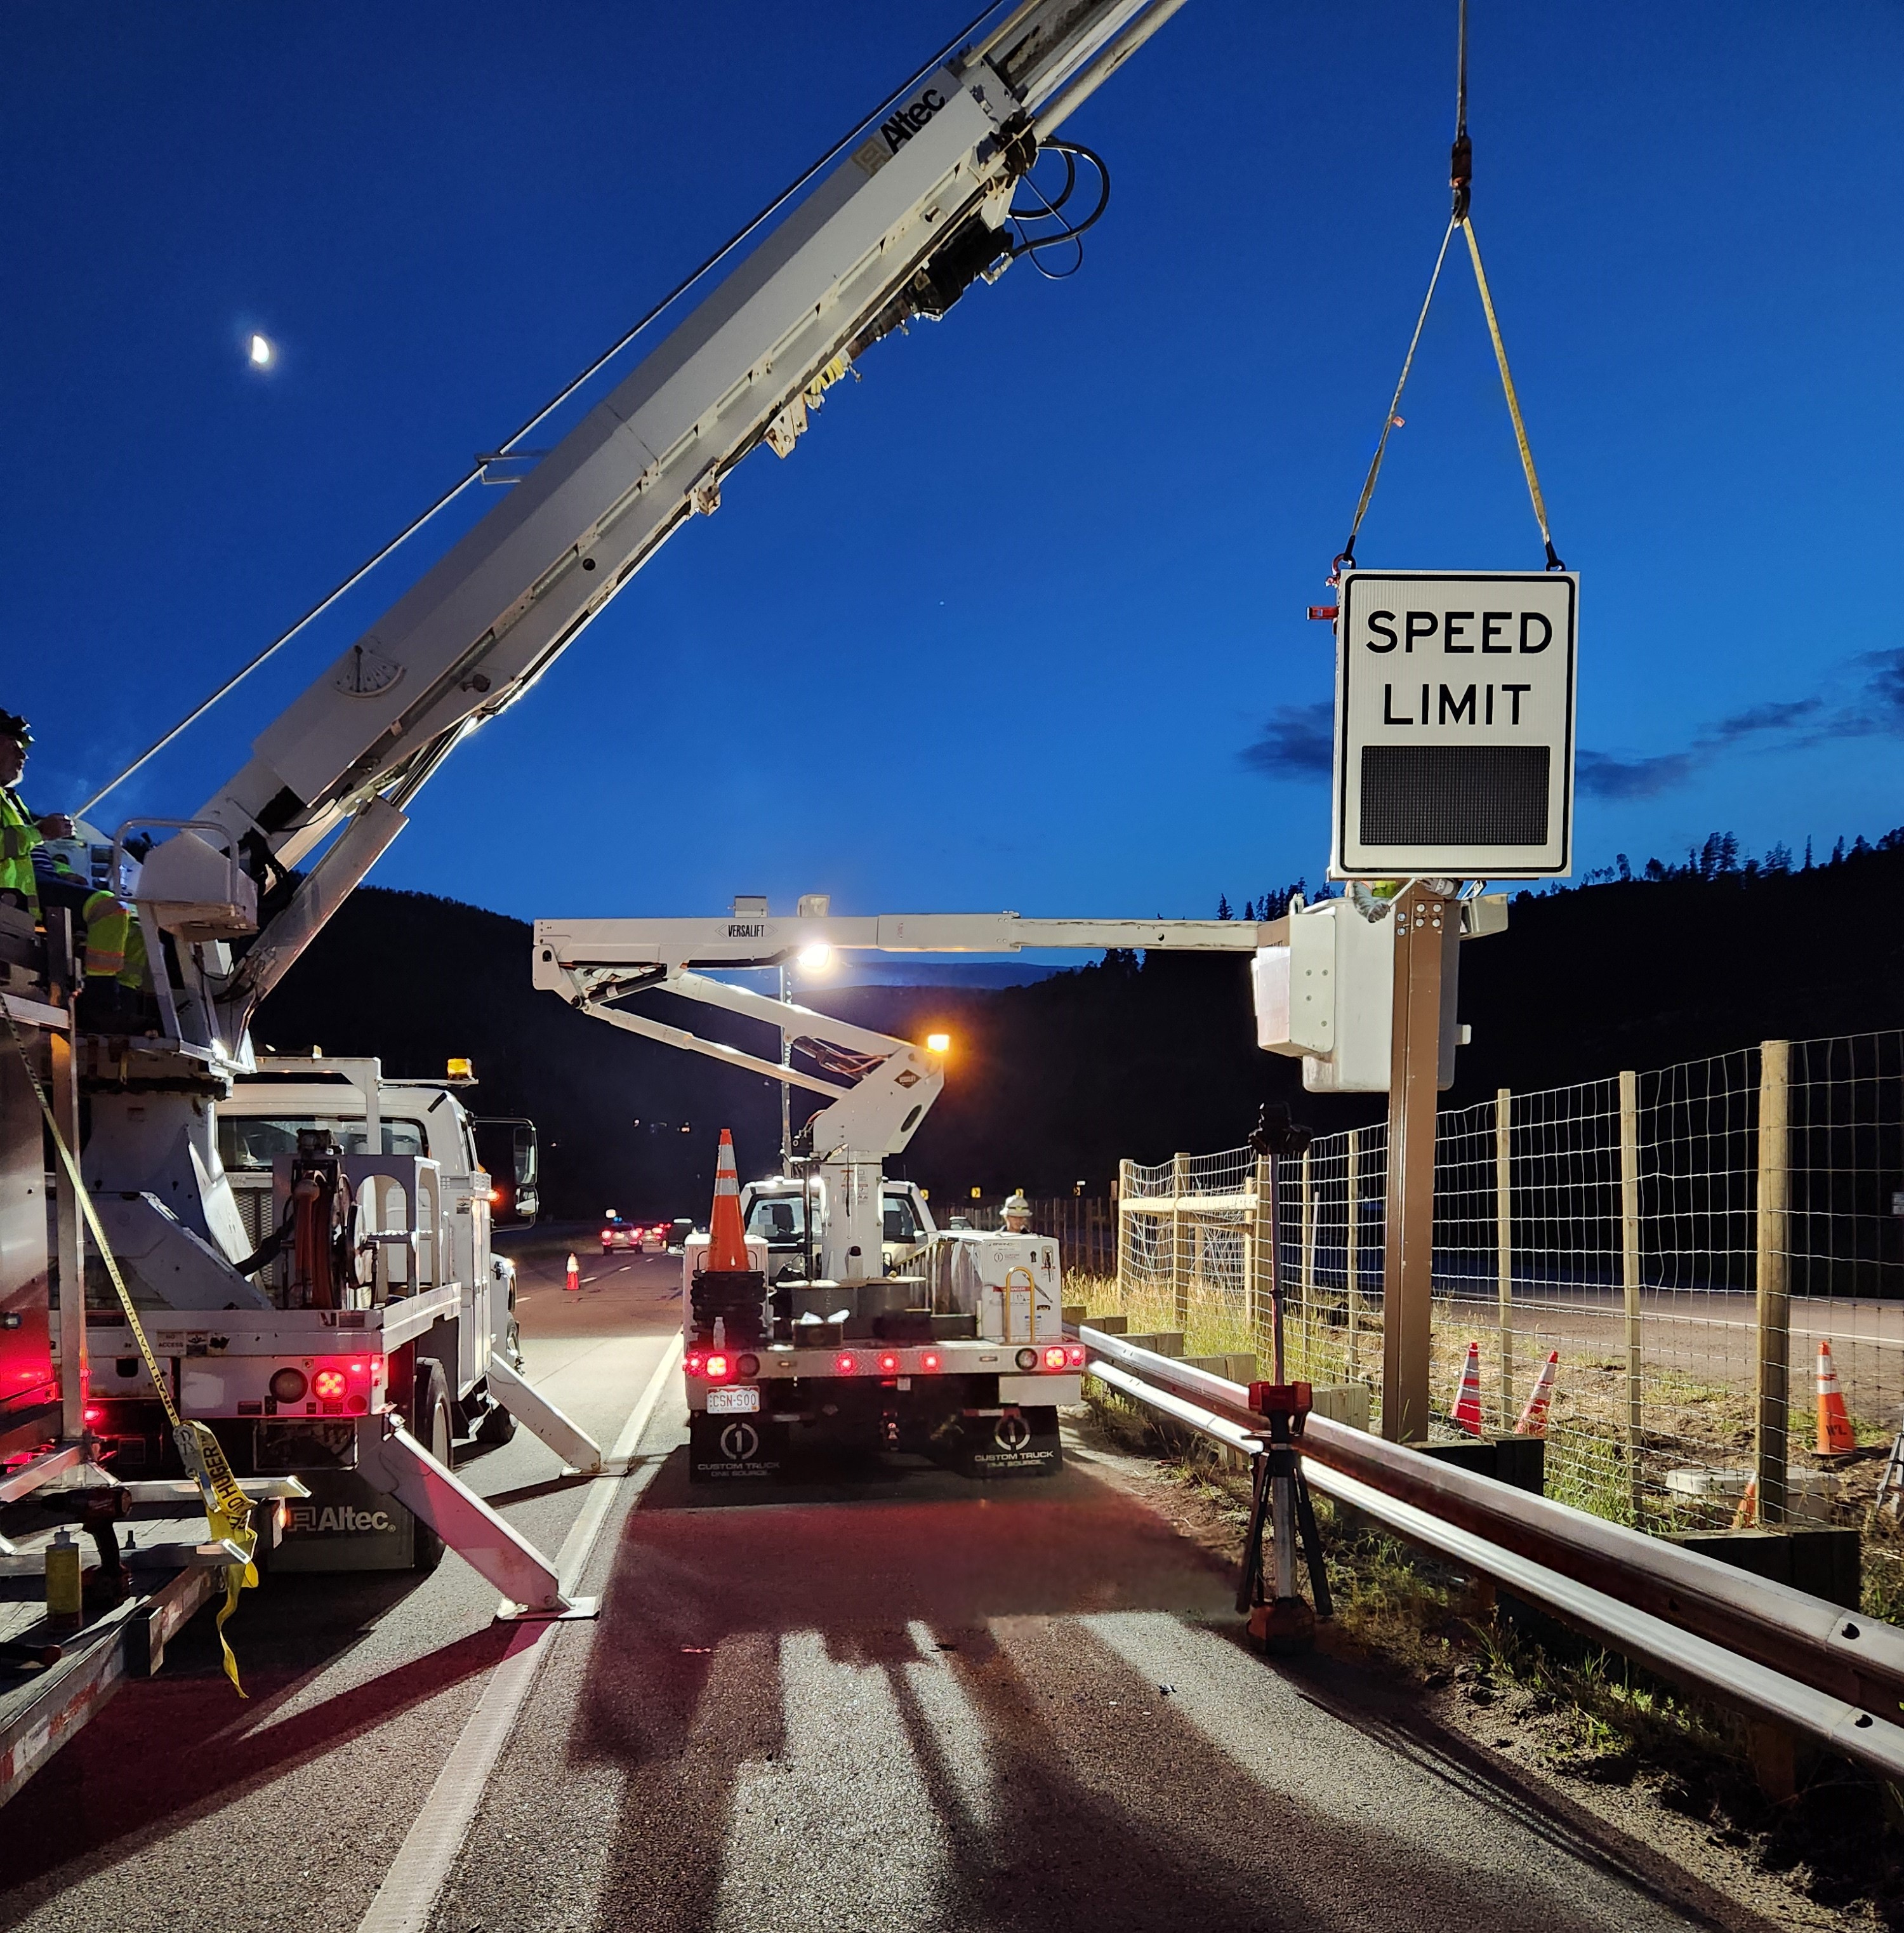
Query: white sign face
1454, 725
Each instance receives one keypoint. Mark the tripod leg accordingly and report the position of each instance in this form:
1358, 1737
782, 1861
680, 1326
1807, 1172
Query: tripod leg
1305, 1514
1253, 1537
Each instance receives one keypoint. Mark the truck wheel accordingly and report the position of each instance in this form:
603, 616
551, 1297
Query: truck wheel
432, 1426
497, 1425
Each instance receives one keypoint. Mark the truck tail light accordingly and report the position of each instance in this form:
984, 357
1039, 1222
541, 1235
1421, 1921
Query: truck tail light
695, 1362
889, 1365
1077, 1353
719, 1367
929, 1361
328, 1385
1054, 1357
289, 1384
844, 1365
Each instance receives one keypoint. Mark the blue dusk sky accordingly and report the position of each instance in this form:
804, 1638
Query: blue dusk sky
1021, 622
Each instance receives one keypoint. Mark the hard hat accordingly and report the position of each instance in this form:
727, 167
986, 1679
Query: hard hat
13, 726
1016, 1204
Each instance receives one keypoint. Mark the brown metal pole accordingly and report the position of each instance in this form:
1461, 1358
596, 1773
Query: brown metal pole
1408, 1274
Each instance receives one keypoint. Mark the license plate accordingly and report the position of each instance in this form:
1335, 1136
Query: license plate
732, 1401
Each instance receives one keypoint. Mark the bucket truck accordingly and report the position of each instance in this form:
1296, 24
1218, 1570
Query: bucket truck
895, 227
961, 1351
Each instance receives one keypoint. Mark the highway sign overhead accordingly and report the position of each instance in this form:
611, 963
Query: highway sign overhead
1454, 725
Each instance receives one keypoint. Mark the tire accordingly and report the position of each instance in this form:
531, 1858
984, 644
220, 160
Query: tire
432, 1424
497, 1425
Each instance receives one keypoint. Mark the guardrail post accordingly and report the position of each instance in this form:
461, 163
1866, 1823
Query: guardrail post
1629, 1278
1774, 1286
1353, 1244
1504, 1248
1179, 1283
1120, 1196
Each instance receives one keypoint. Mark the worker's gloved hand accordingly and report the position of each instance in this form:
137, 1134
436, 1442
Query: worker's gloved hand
56, 825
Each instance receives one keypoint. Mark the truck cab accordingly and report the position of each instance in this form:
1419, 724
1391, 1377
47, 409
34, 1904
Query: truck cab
774, 1210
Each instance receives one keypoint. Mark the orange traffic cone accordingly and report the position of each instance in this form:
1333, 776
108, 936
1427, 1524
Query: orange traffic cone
726, 1241
1834, 1425
1746, 1515
1467, 1404
1533, 1418
573, 1281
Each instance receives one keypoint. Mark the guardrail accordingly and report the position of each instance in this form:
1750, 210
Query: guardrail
1785, 1658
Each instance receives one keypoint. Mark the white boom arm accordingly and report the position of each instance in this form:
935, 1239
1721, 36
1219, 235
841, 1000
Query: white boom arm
898, 229
591, 963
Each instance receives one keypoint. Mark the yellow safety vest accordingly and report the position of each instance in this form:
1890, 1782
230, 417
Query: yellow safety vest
19, 835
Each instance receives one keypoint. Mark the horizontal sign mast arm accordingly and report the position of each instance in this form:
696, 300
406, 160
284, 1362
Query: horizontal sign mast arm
598, 945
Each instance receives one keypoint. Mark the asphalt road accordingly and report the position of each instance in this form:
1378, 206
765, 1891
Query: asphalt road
897, 1700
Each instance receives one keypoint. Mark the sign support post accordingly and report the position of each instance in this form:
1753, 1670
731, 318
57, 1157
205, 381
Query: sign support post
1421, 911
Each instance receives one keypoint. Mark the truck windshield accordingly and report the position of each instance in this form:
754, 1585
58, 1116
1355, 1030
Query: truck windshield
775, 1219
251, 1141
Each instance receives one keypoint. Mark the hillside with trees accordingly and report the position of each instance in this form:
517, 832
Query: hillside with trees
1049, 1085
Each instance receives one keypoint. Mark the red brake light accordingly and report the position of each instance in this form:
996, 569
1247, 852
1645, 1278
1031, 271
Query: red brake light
695, 1362
888, 1365
719, 1367
929, 1361
1054, 1357
93, 1415
328, 1385
845, 1365
1077, 1355
607, 1234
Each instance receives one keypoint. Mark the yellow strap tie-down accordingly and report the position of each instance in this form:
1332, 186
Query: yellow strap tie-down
227, 1509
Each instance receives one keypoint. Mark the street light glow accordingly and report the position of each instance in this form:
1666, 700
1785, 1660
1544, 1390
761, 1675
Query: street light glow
263, 354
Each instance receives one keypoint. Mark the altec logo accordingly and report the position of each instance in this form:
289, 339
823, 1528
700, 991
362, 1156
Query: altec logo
907, 122
306, 1519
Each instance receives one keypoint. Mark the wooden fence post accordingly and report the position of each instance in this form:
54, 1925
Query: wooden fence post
1308, 1269
1504, 1248
1262, 1261
1120, 1196
1179, 1282
1774, 1279
1630, 1279
1353, 1244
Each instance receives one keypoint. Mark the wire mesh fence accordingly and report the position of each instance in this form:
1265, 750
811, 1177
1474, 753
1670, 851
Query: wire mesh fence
1692, 1249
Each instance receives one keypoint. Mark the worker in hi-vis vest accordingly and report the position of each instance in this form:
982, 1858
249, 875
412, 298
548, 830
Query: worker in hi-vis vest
33, 877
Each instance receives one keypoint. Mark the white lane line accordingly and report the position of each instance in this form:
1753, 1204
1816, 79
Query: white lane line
404, 1902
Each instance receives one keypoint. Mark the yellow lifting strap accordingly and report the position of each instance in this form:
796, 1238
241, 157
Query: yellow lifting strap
1460, 173
227, 1509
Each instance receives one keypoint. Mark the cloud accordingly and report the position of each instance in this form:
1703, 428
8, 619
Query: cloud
1874, 707
1298, 741
1602, 775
